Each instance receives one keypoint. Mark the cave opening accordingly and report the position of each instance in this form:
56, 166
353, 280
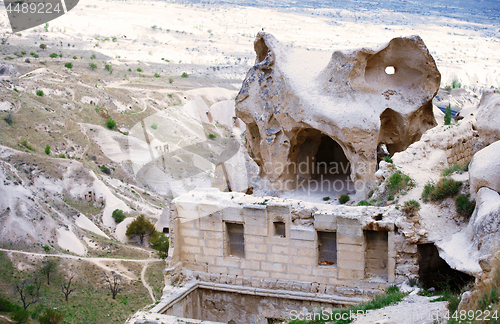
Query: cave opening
322, 162
435, 272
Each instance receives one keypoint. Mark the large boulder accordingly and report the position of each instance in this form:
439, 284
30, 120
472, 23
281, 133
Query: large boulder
484, 225
484, 169
302, 107
488, 117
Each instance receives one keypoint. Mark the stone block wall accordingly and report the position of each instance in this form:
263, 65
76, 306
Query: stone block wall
289, 261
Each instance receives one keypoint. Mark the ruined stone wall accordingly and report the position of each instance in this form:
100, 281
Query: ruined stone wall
292, 261
462, 150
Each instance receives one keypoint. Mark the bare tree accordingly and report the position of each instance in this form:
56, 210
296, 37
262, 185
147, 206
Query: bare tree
29, 290
48, 267
66, 288
112, 282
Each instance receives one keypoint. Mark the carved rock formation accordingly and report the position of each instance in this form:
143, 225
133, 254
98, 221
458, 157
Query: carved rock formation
488, 117
484, 169
302, 107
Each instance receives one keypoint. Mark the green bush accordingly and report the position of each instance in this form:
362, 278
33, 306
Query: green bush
464, 206
26, 145
398, 182
445, 187
118, 215
344, 198
185, 75
159, 242
110, 123
108, 67
455, 168
105, 169
411, 207
7, 306
43, 46
154, 126
60, 55
92, 66
21, 316
447, 115
455, 84
139, 70
157, 75
364, 203
51, 316
388, 159
53, 55
39, 93
326, 198
74, 57
69, 65
47, 149
212, 136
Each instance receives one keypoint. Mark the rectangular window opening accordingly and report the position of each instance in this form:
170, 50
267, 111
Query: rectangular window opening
327, 246
235, 240
279, 229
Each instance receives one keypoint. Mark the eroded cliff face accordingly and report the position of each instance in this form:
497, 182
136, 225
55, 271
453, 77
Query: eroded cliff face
303, 107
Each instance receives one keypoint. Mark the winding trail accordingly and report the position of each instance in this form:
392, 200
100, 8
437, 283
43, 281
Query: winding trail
98, 261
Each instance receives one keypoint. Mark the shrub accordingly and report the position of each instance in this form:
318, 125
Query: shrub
15, 89
388, 159
9, 119
364, 203
108, 67
26, 145
51, 316
170, 80
47, 149
326, 198
139, 70
411, 207
447, 115
92, 66
159, 242
140, 228
110, 123
212, 136
69, 65
21, 316
53, 55
344, 198
23, 52
60, 55
74, 57
7, 306
105, 169
185, 75
455, 168
445, 187
455, 84
157, 75
154, 126
464, 206
43, 46
39, 93
398, 182
118, 215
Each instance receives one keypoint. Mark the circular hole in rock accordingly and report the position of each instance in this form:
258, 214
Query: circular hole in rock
390, 70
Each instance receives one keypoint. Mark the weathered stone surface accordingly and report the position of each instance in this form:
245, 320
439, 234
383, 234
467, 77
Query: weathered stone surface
488, 117
292, 98
484, 225
484, 169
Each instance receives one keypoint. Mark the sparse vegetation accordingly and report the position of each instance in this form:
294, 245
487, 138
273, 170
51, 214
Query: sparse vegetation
465, 206
388, 159
411, 207
455, 168
110, 123
170, 80
212, 136
344, 198
139, 70
399, 182
105, 169
326, 198
118, 215
9, 119
69, 65
184, 75
157, 75
53, 55
455, 84
445, 187
39, 93
154, 126
26, 145
108, 68
392, 295
93, 66
364, 203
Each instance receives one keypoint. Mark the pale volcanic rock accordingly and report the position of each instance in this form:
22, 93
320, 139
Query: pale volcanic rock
488, 117
294, 97
484, 169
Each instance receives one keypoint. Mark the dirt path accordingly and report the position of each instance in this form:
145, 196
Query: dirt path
145, 283
99, 261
